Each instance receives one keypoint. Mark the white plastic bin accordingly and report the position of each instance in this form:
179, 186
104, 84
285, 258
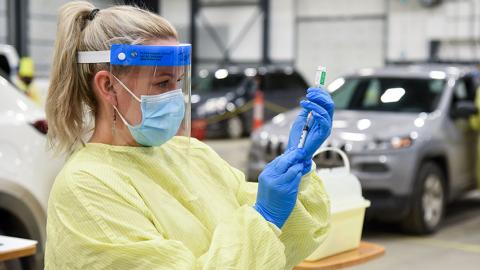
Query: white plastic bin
347, 209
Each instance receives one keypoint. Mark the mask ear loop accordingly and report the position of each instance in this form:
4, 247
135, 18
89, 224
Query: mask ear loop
114, 121
131, 93
126, 88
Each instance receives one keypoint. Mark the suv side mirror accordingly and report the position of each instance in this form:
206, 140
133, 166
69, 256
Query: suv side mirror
463, 109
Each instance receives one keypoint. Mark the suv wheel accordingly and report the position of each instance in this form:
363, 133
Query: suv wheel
428, 201
235, 127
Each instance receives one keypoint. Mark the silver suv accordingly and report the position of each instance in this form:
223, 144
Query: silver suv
406, 132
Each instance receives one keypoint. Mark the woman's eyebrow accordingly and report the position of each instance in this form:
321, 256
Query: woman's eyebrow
169, 75
164, 74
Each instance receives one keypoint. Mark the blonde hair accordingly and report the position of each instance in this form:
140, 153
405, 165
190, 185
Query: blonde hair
70, 95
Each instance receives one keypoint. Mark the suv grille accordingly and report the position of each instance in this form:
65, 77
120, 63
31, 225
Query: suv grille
273, 150
323, 160
329, 159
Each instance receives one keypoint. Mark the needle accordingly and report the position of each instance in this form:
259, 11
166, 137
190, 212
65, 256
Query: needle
320, 75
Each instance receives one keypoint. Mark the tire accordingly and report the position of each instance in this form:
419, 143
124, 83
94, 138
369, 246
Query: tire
235, 128
428, 201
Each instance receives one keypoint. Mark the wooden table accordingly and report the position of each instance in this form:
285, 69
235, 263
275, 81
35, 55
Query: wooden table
13, 248
365, 252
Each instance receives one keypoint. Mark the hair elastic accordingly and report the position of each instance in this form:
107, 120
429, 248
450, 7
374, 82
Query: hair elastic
92, 14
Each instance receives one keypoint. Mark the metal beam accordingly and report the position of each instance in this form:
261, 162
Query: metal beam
265, 7
296, 27
17, 11
243, 32
449, 62
197, 5
229, 4
306, 19
214, 34
252, 63
194, 8
386, 29
434, 50
151, 5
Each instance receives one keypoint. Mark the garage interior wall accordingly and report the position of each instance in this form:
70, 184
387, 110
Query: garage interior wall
342, 34
291, 39
454, 23
347, 34
42, 30
228, 22
3, 21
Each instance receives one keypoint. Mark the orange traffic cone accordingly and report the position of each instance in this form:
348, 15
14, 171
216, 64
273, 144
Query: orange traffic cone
258, 110
199, 127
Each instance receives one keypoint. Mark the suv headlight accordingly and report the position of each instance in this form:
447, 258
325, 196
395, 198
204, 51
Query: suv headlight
395, 143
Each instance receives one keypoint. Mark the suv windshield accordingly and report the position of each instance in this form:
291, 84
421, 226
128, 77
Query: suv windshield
387, 94
212, 84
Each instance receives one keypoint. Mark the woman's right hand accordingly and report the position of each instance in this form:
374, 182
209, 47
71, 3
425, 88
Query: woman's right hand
278, 186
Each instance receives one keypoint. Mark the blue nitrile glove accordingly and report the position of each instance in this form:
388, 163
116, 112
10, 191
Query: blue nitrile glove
321, 105
278, 186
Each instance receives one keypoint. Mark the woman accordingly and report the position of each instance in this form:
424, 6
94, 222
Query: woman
136, 196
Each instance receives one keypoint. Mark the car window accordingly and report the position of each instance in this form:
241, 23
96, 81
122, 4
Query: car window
464, 90
297, 81
461, 91
372, 93
4, 67
388, 94
283, 81
342, 98
212, 84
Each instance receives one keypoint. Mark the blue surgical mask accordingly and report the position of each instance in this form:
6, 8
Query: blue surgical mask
161, 117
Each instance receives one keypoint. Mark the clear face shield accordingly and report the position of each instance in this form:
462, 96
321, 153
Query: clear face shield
152, 86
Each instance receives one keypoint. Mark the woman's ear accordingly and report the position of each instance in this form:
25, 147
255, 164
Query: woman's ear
103, 86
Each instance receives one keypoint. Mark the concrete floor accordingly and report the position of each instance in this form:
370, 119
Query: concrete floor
455, 246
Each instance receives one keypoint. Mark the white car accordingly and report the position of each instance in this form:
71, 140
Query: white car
27, 172
10, 55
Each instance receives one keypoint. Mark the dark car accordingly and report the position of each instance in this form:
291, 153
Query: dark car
223, 99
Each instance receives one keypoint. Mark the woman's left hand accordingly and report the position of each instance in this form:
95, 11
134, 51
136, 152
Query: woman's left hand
322, 107
278, 186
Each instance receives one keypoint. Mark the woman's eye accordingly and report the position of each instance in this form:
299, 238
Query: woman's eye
163, 83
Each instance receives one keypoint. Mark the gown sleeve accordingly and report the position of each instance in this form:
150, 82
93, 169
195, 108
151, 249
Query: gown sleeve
308, 224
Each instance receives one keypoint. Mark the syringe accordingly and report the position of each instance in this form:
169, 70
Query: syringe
320, 76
